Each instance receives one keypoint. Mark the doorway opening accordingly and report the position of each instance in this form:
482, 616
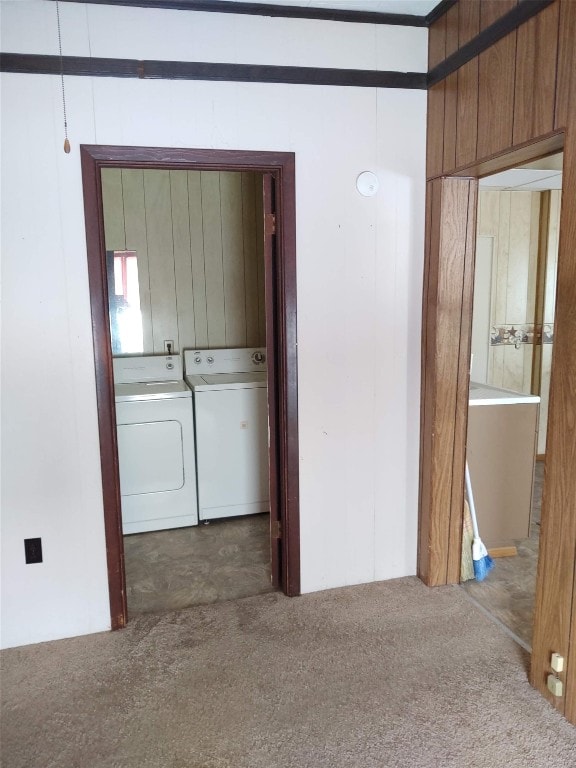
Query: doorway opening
272, 316
512, 344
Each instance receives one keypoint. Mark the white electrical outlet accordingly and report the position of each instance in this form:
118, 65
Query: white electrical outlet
557, 662
168, 347
555, 686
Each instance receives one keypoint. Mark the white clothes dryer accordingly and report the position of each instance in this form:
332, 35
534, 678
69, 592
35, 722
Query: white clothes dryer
155, 427
231, 414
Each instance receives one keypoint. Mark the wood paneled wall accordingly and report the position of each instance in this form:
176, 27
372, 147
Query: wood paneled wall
507, 96
198, 236
515, 102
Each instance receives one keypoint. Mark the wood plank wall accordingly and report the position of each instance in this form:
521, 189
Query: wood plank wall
514, 102
198, 236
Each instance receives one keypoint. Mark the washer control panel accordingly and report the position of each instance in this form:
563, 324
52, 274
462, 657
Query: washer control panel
244, 360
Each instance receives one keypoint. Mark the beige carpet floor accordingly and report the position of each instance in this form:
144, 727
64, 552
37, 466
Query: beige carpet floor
388, 675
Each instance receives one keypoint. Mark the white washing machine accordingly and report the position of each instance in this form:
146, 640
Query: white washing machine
231, 413
155, 426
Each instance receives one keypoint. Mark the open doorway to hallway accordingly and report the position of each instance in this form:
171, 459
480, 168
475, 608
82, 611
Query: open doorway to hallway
512, 345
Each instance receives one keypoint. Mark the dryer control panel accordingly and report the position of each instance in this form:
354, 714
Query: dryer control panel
243, 360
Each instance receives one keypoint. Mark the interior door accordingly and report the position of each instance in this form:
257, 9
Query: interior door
274, 375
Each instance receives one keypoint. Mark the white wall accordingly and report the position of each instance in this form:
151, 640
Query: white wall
359, 285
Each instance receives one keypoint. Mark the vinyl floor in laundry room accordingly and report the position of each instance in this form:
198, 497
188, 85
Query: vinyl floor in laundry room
509, 591
225, 560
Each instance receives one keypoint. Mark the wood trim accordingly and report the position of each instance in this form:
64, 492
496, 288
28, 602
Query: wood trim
513, 157
540, 299
503, 552
445, 364
97, 278
502, 27
555, 609
282, 167
86, 66
283, 11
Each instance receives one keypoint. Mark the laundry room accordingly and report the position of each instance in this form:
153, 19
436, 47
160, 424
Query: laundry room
185, 274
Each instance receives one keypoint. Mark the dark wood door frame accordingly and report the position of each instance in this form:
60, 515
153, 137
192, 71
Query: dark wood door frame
281, 345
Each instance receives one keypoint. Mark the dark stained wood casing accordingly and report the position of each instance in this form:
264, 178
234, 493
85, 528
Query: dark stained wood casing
282, 345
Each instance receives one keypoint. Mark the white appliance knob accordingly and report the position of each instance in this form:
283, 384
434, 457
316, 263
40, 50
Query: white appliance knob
169, 366
210, 360
258, 357
197, 359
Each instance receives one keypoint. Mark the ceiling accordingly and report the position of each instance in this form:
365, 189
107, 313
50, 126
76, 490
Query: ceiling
412, 7
533, 177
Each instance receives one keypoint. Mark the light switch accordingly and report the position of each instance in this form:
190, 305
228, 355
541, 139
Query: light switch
557, 662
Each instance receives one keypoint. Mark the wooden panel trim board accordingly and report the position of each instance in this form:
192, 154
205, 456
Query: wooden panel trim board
87, 66
281, 166
555, 610
448, 281
285, 11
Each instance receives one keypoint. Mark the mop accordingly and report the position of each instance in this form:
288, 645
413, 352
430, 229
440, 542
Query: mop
481, 560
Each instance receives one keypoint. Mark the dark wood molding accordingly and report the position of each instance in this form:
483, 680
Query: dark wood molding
506, 24
282, 11
281, 166
87, 66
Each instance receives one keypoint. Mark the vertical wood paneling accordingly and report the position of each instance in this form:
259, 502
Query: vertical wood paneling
496, 96
213, 266
448, 278
233, 259
452, 30
136, 240
426, 560
468, 21
467, 251
249, 237
467, 106
182, 259
534, 94
555, 611
467, 114
566, 79
197, 258
435, 131
492, 10
437, 42
113, 205
450, 121
160, 258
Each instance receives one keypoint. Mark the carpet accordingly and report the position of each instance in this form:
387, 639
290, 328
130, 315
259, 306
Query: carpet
386, 675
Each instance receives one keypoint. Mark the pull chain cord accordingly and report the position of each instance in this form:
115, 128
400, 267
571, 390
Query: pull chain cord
66, 142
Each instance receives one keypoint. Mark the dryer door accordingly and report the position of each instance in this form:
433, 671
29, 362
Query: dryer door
151, 457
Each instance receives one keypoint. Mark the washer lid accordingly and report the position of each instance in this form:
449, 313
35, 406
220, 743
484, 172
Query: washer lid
151, 390
211, 382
